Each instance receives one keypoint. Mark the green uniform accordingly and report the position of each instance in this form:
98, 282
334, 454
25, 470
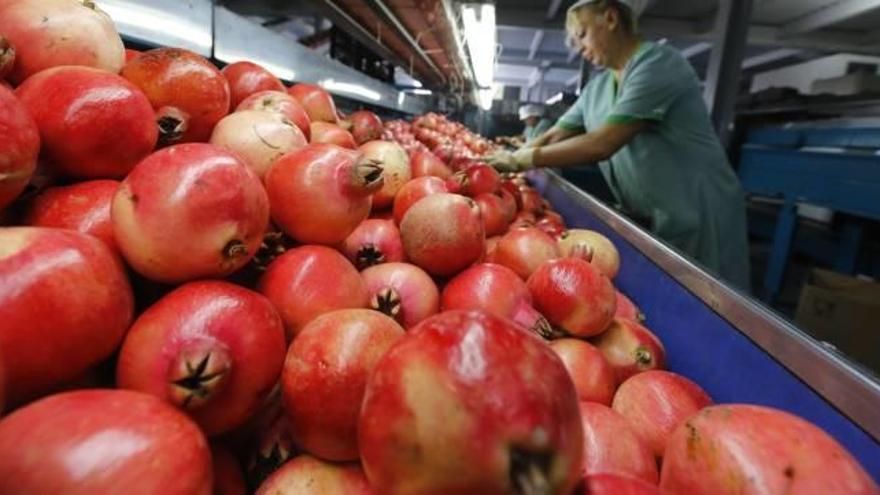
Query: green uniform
674, 174
531, 133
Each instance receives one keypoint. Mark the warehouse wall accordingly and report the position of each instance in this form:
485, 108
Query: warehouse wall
802, 76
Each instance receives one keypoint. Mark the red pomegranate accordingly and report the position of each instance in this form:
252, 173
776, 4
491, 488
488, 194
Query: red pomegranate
402, 291
316, 100
479, 179
188, 93
228, 478
500, 408
491, 244
612, 484
513, 189
495, 218
280, 103
425, 163
325, 375
508, 204
593, 377
630, 348
190, 211
270, 442
751, 450
414, 190
594, 247
59, 289
320, 193
49, 33
309, 281
7, 57
627, 309
611, 446
130, 54
246, 78
524, 250
102, 441
532, 201
395, 169
84, 207
365, 126
373, 242
326, 133
306, 475
443, 233
656, 403
259, 138
93, 124
573, 295
19, 147
189, 349
551, 228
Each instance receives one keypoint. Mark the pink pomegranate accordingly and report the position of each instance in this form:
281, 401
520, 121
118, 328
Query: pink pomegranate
317, 102
280, 103
592, 246
326, 133
102, 441
656, 403
414, 190
593, 377
488, 407
365, 126
627, 309
190, 211
612, 484
611, 446
751, 450
402, 291
246, 78
228, 478
309, 281
50, 33
630, 348
325, 375
425, 163
189, 349
19, 147
573, 295
320, 193
492, 210
524, 250
479, 179
188, 93
84, 207
306, 475
373, 242
259, 138
443, 233
7, 57
58, 290
395, 169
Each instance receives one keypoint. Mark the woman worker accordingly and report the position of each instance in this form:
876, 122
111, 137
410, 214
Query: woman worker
648, 129
535, 126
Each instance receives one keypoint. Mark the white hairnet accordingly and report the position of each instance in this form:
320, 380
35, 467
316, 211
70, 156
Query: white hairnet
530, 110
636, 6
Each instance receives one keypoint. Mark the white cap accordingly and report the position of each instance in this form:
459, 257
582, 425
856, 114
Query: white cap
530, 110
636, 6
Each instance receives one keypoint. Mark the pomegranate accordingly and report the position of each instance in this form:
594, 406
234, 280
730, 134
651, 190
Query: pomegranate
309, 281
102, 441
491, 244
320, 193
414, 190
573, 295
532, 202
627, 309
7, 57
59, 289
523, 250
479, 179
443, 233
395, 169
656, 403
49, 33
489, 408
316, 100
630, 348
130, 54
19, 147
751, 450
246, 78
259, 138
495, 219
513, 190
426, 163
594, 247
611, 446
508, 205
326, 133
273, 442
188, 93
373, 242
84, 207
554, 230
228, 478
305, 475
365, 126
325, 375
189, 349
93, 125
612, 484
402, 291
189, 211
593, 377
281, 103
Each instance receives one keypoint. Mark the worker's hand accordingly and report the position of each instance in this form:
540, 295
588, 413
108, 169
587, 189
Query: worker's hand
513, 161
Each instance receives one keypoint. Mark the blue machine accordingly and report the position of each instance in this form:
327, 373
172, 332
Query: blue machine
833, 164
735, 348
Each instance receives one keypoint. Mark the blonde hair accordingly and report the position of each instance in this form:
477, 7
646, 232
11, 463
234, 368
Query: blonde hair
573, 24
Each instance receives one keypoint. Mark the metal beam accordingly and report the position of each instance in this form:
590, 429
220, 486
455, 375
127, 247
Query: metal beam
770, 57
386, 13
553, 9
537, 39
696, 49
829, 16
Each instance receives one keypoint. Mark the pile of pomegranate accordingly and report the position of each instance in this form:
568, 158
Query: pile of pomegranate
211, 283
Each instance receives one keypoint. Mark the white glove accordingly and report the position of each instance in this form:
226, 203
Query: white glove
515, 161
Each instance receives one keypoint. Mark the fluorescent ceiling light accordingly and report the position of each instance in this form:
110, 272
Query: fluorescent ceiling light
554, 99
141, 21
480, 35
485, 97
350, 89
419, 91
